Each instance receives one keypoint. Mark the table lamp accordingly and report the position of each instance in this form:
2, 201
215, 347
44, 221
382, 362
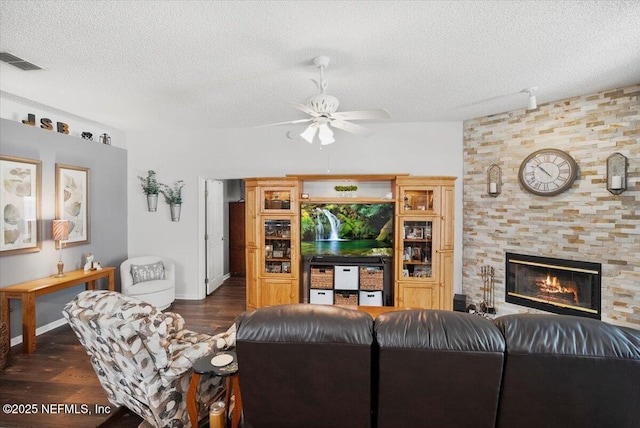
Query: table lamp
60, 233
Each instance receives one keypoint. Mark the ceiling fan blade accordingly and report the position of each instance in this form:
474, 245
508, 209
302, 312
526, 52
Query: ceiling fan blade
351, 127
285, 123
361, 114
306, 109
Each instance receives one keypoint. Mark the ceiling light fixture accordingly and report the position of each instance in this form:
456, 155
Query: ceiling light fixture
533, 104
309, 133
322, 109
325, 134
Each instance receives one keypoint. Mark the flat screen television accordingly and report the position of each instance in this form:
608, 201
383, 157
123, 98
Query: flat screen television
346, 229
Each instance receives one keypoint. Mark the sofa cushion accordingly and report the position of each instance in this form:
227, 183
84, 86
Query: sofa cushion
567, 335
567, 371
306, 323
437, 330
438, 369
305, 365
150, 272
141, 289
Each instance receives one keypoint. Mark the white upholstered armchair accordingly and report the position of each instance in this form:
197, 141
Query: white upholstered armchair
143, 357
151, 279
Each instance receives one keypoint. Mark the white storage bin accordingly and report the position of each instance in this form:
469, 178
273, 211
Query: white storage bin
370, 298
346, 278
321, 297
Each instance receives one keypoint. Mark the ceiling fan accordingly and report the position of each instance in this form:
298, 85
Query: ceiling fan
324, 115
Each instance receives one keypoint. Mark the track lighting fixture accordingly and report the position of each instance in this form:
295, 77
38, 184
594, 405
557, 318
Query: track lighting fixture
533, 104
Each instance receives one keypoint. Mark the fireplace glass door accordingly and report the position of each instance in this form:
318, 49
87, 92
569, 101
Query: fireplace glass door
554, 285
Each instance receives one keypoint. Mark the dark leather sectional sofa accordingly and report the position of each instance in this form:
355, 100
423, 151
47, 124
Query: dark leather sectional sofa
307, 366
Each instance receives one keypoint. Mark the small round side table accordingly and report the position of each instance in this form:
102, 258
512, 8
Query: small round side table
228, 371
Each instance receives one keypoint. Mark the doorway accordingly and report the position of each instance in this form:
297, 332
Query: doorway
214, 234
221, 232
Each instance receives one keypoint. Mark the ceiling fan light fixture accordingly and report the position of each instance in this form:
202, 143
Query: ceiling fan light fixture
325, 134
322, 109
309, 133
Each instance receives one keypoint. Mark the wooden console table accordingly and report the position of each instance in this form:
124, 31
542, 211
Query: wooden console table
28, 291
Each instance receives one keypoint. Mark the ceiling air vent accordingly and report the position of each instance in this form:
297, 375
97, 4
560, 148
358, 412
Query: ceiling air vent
18, 62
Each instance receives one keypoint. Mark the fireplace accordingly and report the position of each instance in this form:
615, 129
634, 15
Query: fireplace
554, 285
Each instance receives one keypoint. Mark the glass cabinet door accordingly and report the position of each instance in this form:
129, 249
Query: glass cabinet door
417, 251
413, 200
276, 199
277, 246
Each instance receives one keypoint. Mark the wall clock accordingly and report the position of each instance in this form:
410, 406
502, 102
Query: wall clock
548, 172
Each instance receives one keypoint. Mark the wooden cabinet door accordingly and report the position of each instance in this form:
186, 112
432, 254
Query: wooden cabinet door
447, 215
418, 296
446, 278
252, 278
251, 225
277, 292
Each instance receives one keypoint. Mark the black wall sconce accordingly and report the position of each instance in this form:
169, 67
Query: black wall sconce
494, 180
617, 173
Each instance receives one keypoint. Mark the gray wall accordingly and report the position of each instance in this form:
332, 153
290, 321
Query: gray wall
108, 213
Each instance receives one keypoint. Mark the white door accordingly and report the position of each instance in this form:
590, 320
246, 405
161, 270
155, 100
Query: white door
214, 234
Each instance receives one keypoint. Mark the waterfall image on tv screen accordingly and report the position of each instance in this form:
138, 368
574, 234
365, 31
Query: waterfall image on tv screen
343, 229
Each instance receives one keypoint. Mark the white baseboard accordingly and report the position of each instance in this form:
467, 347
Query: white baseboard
195, 296
41, 330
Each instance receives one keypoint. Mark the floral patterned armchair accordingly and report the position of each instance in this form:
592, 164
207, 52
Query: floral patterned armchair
143, 357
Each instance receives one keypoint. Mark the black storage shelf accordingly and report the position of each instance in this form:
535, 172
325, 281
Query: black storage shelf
325, 262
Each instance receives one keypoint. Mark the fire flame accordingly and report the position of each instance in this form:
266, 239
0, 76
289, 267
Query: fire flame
551, 285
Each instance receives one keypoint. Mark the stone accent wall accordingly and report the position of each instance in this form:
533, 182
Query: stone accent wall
584, 223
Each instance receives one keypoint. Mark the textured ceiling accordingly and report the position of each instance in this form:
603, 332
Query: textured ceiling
213, 64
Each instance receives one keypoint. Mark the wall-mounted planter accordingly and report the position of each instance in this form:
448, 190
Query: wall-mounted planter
152, 202
175, 212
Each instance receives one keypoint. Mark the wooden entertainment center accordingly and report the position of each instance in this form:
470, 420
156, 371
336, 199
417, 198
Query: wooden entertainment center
417, 271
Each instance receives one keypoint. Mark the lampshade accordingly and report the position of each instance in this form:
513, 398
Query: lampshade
60, 230
309, 133
326, 135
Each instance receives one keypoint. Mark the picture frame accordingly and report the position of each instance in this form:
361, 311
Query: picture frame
286, 267
72, 202
412, 232
421, 272
278, 254
269, 230
20, 201
268, 251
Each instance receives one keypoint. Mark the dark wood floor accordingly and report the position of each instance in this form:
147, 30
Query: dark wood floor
59, 372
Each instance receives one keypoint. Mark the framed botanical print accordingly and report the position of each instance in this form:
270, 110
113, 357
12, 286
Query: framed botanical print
20, 202
72, 202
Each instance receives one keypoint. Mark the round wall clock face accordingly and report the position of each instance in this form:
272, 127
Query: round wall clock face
548, 172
